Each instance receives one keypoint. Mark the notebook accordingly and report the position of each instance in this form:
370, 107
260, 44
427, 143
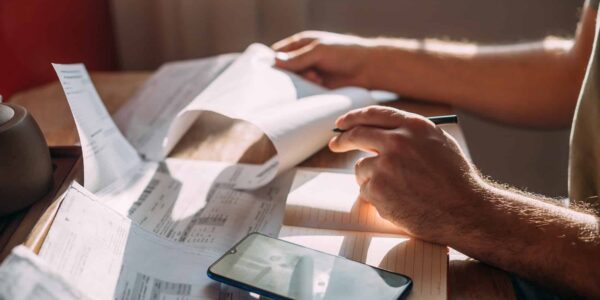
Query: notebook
323, 213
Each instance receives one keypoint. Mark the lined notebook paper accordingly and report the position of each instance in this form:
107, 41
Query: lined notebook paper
323, 213
322, 199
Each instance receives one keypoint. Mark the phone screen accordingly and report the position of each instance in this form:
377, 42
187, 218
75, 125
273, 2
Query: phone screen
260, 263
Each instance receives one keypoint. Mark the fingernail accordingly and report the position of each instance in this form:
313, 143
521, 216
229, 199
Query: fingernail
282, 56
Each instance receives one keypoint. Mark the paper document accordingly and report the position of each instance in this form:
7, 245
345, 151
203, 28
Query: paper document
187, 212
107, 155
284, 106
24, 276
195, 202
146, 118
185, 201
105, 254
294, 113
330, 200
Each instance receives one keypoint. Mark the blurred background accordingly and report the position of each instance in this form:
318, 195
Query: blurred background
142, 34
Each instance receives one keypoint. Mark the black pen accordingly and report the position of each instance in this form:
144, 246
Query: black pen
437, 120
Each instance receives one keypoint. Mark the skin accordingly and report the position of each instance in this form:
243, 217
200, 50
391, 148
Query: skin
420, 180
530, 85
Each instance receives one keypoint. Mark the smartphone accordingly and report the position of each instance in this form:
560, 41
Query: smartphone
279, 269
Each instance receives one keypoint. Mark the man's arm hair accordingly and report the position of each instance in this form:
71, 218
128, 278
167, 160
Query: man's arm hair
535, 237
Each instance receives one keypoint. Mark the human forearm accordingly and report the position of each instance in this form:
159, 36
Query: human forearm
420, 180
551, 245
530, 84
533, 84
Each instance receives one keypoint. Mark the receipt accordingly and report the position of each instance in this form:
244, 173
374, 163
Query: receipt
105, 254
24, 276
107, 155
195, 202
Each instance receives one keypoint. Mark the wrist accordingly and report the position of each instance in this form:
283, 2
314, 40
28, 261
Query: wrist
469, 214
392, 66
380, 65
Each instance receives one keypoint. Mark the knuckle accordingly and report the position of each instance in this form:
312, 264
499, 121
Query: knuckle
438, 135
354, 134
370, 111
396, 140
318, 49
418, 124
384, 162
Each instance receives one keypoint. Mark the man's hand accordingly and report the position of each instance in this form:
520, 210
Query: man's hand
328, 59
419, 178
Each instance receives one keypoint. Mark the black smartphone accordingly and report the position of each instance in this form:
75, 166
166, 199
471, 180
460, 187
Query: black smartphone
279, 269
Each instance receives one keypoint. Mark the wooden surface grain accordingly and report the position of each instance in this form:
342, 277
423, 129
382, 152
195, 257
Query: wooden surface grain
213, 137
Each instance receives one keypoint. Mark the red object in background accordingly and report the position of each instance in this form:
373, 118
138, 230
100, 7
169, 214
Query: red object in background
35, 33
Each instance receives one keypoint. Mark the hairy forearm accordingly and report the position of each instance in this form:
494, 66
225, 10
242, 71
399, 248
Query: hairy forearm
552, 245
532, 84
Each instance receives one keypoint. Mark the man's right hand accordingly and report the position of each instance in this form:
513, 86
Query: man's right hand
328, 59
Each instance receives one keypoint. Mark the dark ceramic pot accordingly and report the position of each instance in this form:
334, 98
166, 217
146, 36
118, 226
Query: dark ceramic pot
25, 165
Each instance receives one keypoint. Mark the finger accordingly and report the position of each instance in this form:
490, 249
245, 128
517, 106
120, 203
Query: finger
363, 169
299, 60
378, 116
338, 81
292, 43
363, 192
369, 139
312, 76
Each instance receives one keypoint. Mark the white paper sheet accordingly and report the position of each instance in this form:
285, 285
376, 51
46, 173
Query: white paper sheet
194, 202
24, 276
284, 106
107, 155
105, 254
190, 203
328, 199
145, 119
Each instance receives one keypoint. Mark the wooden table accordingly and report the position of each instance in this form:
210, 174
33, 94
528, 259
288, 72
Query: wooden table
216, 138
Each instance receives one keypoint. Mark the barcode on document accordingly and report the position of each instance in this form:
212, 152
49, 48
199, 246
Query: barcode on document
145, 194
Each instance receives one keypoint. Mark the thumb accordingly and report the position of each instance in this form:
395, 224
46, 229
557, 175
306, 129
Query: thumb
299, 60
